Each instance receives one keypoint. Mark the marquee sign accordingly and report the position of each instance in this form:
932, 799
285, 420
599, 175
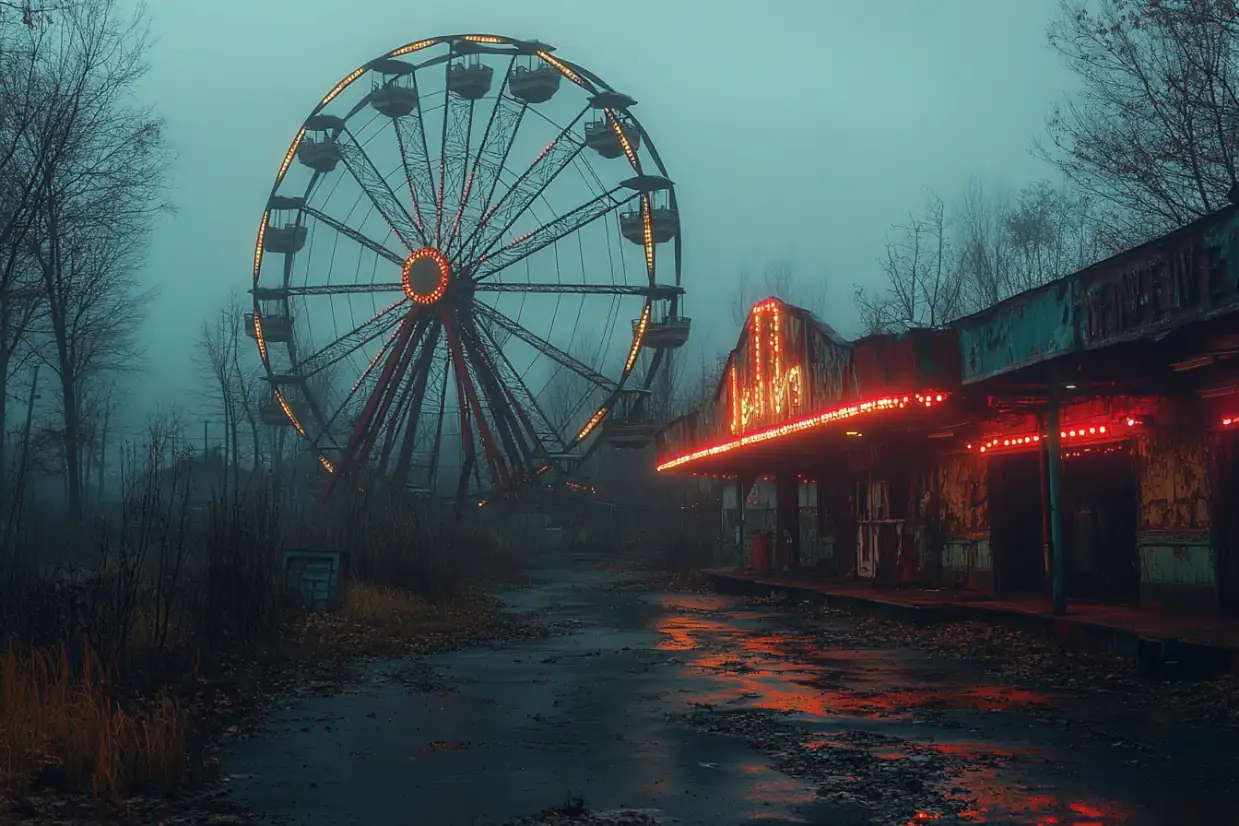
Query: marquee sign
765, 378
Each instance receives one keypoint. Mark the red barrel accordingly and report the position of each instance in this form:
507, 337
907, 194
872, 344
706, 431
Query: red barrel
761, 552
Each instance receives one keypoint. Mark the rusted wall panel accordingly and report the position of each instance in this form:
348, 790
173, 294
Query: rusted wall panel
1177, 566
831, 381
1177, 570
1172, 467
962, 491
968, 564
1034, 327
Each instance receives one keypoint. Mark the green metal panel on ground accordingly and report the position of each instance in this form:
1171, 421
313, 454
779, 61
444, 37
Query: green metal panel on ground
317, 577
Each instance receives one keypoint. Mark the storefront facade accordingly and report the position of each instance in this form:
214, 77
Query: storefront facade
1078, 436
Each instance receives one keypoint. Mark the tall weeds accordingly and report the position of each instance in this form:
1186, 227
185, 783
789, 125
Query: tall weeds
60, 725
104, 625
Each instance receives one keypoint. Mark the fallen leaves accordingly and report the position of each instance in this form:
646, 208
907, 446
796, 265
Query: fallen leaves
573, 812
1030, 660
896, 780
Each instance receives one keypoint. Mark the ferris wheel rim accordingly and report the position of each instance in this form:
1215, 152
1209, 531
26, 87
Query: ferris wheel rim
583, 78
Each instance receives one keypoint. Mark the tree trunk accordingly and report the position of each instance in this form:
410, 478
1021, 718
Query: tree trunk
236, 455
4, 431
257, 439
103, 455
72, 437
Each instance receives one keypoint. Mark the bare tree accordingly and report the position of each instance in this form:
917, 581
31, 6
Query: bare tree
100, 402
219, 345
23, 110
923, 288
1151, 133
984, 248
101, 189
777, 279
1006, 245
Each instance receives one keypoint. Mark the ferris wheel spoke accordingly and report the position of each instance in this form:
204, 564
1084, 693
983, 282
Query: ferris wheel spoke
497, 219
361, 335
378, 190
373, 288
543, 346
415, 161
354, 235
523, 399
497, 140
643, 290
561, 227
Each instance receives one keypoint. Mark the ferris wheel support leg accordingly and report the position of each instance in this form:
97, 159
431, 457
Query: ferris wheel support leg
497, 471
405, 460
499, 400
411, 389
397, 385
361, 428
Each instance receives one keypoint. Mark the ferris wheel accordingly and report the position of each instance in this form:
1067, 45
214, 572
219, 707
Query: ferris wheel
468, 270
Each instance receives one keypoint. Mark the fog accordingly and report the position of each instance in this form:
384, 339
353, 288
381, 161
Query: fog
799, 134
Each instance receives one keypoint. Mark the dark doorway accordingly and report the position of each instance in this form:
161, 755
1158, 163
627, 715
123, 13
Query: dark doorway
1225, 521
1100, 499
1015, 523
787, 538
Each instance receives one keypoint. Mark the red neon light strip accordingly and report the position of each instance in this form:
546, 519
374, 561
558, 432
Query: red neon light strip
837, 415
1091, 433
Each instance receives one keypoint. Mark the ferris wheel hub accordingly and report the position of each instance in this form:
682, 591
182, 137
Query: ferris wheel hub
425, 275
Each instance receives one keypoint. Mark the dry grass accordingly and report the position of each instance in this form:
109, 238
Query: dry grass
389, 609
60, 726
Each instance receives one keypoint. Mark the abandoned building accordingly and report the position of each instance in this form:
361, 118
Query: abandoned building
1077, 437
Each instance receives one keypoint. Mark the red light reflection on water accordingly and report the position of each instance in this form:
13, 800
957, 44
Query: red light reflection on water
773, 672
995, 799
787, 673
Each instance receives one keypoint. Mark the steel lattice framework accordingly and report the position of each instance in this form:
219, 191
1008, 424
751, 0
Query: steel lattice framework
441, 267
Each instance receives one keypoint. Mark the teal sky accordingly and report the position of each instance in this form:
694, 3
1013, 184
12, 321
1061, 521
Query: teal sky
799, 129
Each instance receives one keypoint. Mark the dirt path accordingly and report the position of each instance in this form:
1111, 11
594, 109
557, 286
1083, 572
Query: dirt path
705, 709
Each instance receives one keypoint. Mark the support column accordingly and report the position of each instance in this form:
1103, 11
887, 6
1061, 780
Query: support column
741, 494
1054, 478
1047, 543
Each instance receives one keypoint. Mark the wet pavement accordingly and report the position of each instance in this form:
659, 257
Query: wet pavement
709, 709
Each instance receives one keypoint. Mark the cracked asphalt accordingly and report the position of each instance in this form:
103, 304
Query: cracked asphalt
709, 709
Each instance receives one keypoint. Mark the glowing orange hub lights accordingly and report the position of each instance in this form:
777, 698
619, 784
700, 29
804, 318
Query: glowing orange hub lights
425, 275
1095, 433
925, 400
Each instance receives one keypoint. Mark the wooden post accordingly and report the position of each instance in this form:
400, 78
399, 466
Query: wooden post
1054, 477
